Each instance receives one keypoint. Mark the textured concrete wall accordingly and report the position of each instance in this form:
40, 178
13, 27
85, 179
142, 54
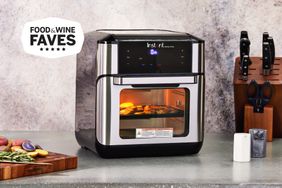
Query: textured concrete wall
38, 93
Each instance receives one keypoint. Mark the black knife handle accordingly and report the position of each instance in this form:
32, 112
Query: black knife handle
266, 58
244, 34
272, 49
265, 36
244, 48
245, 67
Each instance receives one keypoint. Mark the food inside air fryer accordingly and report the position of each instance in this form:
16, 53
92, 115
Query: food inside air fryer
19, 150
126, 109
126, 105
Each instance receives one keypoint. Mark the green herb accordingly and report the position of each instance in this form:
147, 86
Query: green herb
15, 156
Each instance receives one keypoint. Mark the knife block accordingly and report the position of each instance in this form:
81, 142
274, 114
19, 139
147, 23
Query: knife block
240, 92
259, 120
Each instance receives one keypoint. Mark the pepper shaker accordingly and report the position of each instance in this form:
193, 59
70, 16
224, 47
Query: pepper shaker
258, 142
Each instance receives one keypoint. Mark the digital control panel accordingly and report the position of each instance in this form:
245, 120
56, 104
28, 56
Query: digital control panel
146, 57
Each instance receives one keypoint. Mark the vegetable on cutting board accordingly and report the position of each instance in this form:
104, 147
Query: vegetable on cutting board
19, 150
3, 141
15, 156
28, 146
18, 142
41, 152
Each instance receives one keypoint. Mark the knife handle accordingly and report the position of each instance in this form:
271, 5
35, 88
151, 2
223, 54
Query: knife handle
245, 67
244, 34
244, 48
272, 49
265, 36
266, 58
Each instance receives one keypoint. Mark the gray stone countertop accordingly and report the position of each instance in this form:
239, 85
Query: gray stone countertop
212, 167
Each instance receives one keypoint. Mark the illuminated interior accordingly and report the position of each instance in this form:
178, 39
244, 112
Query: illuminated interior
150, 113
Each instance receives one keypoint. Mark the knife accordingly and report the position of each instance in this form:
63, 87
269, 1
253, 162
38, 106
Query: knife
244, 67
266, 58
244, 34
265, 36
244, 46
272, 50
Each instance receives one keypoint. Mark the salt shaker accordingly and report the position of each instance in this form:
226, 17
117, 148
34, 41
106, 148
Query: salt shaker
242, 147
258, 142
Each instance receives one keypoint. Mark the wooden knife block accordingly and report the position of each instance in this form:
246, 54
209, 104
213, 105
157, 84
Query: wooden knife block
259, 120
240, 92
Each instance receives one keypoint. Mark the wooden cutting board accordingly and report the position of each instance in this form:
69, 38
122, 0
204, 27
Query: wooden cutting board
59, 162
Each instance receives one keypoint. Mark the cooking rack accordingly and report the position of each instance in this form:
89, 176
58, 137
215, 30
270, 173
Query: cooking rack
176, 113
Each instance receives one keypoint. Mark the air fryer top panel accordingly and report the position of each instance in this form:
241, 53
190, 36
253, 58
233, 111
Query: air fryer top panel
138, 57
153, 51
117, 35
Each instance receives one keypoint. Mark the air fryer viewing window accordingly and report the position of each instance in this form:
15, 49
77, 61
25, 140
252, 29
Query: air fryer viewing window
154, 57
151, 113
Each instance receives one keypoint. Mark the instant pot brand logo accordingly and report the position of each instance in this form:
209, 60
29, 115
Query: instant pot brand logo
52, 37
158, 45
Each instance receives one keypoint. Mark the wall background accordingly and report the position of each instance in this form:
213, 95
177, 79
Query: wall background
38, 93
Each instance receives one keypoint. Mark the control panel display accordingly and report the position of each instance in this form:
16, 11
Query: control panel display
139, 57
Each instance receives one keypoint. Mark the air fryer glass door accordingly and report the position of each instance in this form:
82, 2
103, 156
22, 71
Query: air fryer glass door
154, 113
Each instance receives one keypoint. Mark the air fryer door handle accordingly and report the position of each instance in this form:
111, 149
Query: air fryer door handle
155, 85
154, 80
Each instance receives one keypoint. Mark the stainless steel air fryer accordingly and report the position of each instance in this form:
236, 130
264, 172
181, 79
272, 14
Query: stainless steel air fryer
140, 93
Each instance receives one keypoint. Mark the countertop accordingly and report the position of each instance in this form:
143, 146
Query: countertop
212, 167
